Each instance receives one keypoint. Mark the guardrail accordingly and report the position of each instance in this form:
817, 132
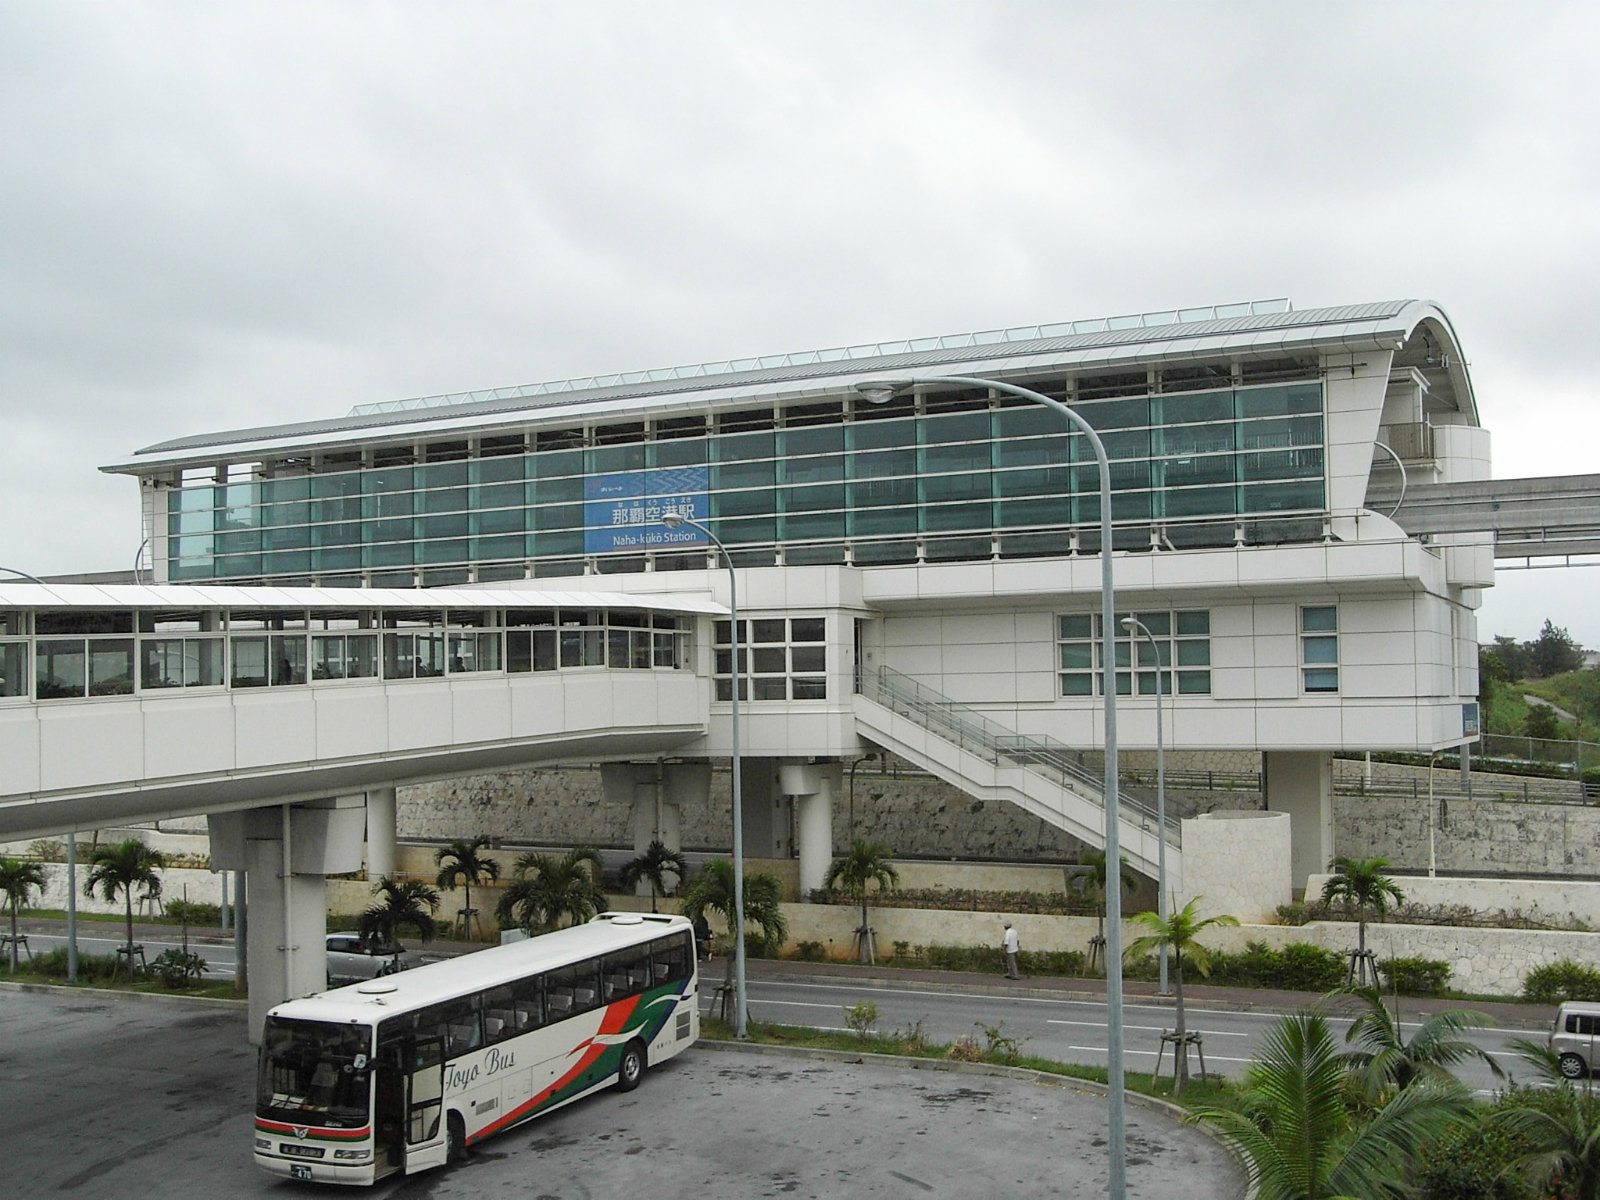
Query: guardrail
972, 731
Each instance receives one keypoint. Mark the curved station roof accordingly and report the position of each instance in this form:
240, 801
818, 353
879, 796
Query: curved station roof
1418, 330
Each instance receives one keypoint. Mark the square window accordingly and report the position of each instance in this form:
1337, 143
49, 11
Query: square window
1324, 618
1322, 679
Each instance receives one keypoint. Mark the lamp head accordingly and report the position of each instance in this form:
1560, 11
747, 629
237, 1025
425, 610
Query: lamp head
672, 520
1131, 624
879, 391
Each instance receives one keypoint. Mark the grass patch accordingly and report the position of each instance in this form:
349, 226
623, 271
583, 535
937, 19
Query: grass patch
1215, 1093
95, 974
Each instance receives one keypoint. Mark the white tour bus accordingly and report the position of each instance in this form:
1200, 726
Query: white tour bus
402, 1072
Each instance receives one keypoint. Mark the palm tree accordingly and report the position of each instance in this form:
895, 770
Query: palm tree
1296, 1134
118, 870
712, 890
1385, 1062
654, 864
1178, 933
545, 888
408, 905
867, 862
460, 863
1361, 882
1095, 860
17, 880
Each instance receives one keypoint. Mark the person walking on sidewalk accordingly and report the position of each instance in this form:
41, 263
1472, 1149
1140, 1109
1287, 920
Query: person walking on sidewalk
1013, 944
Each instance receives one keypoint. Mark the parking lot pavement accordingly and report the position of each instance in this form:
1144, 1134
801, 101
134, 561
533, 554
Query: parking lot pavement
118, 1097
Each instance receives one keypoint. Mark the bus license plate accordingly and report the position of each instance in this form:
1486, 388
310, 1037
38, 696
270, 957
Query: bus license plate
299, 1171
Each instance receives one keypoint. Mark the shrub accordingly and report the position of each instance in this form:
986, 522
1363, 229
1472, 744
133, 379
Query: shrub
913, 1040
53, 964
1298, 967
1417, 976
809, 951
1469, 1163
194, 912
965, 1049
178, 967
1561, 980
861, 1017
992, 960
1001, 1046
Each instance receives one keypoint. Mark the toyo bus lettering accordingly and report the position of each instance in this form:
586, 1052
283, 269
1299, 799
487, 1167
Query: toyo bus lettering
493, 1062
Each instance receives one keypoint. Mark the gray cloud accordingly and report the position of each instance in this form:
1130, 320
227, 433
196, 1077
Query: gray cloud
223, 215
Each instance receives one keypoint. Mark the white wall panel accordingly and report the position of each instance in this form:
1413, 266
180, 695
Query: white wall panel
188, 735
275, 726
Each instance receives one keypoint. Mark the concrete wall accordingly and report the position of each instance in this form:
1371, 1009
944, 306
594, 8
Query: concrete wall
1237, 863
1484, 835
1569, 903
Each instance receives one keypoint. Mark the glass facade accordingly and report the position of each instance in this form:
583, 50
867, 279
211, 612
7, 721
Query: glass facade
949, 475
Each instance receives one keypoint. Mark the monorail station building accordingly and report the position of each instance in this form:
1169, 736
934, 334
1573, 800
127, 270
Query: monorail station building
921, 575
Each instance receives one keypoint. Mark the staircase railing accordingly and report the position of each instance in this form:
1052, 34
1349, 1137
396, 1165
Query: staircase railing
972, 731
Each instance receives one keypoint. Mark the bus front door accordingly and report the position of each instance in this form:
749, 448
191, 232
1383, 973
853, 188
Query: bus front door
426, 1139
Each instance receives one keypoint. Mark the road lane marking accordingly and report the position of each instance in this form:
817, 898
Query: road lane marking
1149, 1028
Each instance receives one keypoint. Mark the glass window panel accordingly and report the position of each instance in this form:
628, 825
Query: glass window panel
488, 651
1194, 654
249, 662
60, 669
13, 669
1322, 679
399, 656
1194, 683
1076, 626
1320, 649
809, 658
810, 688
110, 668
768, 631
769, 688
1322, 618
1195, 406
808, 629
823, 440
1077, 655
814, 499
1194, 623
327, 657
769, 660
288, 660
1158, 623
1077, 685
1276, 401
1282, 497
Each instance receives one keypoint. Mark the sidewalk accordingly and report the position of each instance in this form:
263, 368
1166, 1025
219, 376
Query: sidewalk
1506, 1014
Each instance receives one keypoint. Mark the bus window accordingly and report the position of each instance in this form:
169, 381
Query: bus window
571, 990
625, 973
669, 960
312, 1072
456, 1022
511, 1009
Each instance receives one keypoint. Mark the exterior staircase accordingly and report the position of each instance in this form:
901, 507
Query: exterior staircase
970, 751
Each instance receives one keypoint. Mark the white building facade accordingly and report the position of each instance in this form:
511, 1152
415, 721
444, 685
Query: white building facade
946, 542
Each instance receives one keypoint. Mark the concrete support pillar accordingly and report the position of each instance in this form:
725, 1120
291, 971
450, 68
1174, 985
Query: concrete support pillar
286, 853
381, 832
766, 811
1300, 783
656, 792
813, 786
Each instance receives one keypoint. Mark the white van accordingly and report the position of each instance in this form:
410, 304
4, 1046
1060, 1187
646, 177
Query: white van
1575, 1038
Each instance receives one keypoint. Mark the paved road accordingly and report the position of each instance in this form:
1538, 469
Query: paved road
1067, 1029
119, 1097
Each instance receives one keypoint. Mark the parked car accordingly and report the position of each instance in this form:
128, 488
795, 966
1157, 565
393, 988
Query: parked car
352, 958
1575, 1038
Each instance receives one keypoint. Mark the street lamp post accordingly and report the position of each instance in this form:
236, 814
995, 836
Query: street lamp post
881, 392
1131, 624
741, 1013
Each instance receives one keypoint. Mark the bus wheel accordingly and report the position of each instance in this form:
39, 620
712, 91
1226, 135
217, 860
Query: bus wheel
457, 1151
632, 1069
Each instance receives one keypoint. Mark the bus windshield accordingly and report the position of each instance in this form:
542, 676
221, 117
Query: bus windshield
314, 1073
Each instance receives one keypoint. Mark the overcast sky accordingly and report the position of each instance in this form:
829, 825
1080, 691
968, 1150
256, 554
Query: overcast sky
223, 215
